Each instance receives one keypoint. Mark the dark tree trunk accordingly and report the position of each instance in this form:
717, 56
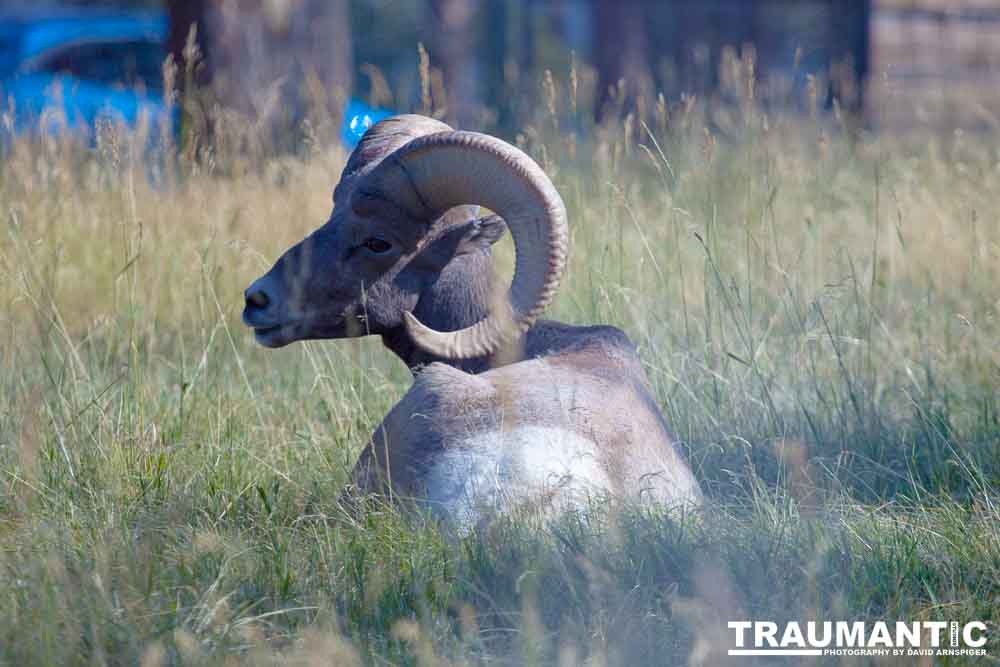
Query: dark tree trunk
183, 15
498, 89
280, 64
328, 49
622, 55
852, 51
453, 49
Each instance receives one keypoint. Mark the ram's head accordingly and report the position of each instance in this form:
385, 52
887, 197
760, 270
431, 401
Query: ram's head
400, 217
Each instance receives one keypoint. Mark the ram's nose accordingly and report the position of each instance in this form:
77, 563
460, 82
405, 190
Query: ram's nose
257, 296
260, 297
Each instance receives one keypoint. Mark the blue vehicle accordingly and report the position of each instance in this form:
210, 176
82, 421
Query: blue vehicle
358, 117
68, 69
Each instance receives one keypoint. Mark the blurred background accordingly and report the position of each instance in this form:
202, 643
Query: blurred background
893, 63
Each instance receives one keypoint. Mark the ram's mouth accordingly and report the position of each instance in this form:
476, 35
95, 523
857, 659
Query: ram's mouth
263, 331
278, 335
271, 334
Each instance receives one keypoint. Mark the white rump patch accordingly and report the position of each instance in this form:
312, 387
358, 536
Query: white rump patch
490, 472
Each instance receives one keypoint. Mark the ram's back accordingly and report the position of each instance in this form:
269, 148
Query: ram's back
577, 421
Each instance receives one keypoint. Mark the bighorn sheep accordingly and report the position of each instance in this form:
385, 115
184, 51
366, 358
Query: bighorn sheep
402, 257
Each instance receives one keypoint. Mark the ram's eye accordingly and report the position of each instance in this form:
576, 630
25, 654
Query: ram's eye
377, 245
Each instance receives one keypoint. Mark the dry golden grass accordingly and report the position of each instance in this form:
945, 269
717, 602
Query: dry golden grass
817, 308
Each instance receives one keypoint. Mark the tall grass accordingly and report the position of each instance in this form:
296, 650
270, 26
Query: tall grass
816, 307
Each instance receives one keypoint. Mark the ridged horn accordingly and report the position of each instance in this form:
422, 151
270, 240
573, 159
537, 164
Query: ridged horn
436, 172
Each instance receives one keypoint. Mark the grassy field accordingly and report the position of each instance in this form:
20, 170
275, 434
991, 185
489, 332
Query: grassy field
816, 307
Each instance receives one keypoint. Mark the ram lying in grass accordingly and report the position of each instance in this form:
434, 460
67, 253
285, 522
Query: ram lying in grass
568, 414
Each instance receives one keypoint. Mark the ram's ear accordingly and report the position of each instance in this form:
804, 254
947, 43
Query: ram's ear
481, 233
460, 239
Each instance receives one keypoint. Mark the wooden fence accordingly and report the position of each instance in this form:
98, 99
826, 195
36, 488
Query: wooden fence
935, 63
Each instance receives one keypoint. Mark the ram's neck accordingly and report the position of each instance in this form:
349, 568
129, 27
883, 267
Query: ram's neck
457, 299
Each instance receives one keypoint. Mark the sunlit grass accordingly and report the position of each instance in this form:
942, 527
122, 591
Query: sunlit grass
816, 307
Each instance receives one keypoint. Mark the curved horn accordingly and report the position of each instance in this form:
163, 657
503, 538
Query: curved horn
433, 173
